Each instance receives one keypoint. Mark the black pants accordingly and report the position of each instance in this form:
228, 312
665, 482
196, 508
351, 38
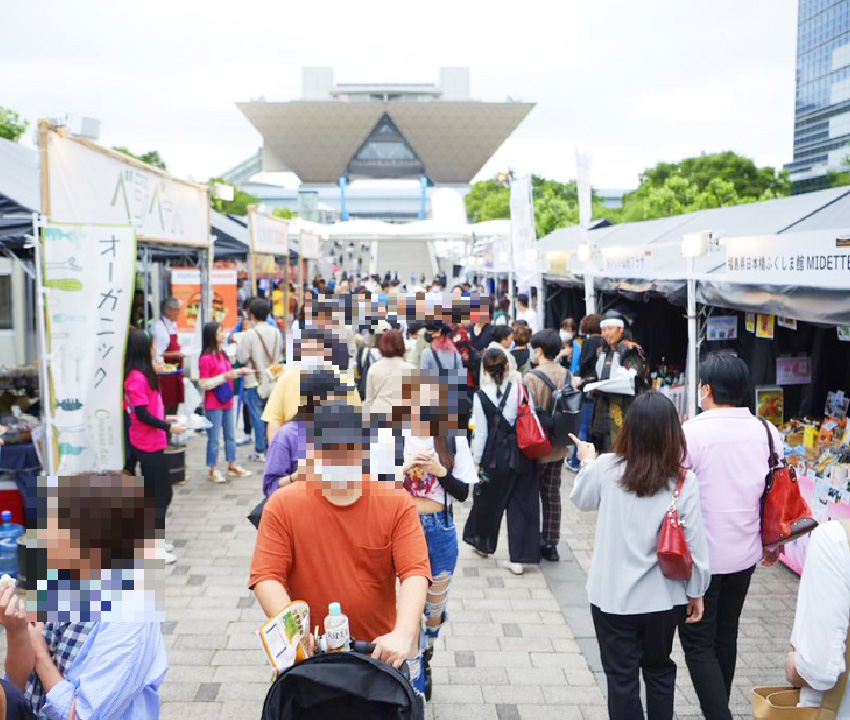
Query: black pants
711, 646
632, 643
519, 494
157, 483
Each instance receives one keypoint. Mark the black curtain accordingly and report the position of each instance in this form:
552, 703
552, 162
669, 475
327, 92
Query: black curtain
562, 302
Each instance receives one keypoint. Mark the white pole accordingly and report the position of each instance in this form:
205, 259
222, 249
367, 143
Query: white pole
589, 288
44, 359
692, 341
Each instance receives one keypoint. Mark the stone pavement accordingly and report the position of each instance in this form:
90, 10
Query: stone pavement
514, 647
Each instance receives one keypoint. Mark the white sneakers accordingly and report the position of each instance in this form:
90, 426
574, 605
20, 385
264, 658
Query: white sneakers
515, 568
257, 457
168, 558
169, 547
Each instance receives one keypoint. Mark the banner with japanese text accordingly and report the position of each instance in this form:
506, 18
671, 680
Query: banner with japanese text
268, 235
523, 235
88, 276
812, 259
628, 262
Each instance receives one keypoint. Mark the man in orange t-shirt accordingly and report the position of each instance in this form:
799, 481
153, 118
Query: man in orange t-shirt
343, 537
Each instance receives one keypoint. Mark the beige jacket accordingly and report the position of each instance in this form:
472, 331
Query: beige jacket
384, 384
259, 353
541, 395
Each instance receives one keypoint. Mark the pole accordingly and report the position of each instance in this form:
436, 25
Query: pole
146, 284
692, 341
44, 360
589, 289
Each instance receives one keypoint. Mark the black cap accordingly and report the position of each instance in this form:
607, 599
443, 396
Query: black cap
340, 424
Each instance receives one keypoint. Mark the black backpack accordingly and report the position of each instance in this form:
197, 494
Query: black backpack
343, 686
563, 416
501, 449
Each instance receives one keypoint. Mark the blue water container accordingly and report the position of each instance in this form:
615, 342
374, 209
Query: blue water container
9, 534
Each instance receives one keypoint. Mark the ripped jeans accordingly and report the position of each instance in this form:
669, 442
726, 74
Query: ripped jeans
443, 553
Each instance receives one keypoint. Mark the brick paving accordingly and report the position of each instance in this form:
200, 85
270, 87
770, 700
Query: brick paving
515, 648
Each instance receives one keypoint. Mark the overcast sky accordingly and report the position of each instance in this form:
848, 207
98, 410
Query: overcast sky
632, 82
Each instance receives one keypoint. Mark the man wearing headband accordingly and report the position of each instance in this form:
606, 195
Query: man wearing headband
616, 353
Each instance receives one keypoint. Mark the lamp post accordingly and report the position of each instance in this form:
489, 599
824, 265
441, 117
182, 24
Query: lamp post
694, 245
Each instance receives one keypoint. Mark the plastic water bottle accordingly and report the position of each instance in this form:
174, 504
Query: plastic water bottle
336, 629
9, 534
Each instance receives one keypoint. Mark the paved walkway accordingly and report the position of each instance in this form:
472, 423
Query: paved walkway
514, 648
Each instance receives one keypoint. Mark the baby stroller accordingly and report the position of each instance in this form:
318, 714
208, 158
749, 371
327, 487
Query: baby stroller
343, 686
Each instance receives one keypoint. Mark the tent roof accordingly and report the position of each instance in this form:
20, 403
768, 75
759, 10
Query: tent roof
368, 230
19, 174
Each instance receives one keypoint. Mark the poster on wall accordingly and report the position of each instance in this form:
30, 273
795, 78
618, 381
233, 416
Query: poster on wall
751, 323
793, 371
186, 287
844, 333
722, 327
770, 403
787, 323
765, 326
87, 272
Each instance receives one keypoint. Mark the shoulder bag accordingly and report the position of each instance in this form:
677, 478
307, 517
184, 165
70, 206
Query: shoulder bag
780, 703
785, 515
265, 380
674, 555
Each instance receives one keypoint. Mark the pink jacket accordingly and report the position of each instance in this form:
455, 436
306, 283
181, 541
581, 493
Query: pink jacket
728, 452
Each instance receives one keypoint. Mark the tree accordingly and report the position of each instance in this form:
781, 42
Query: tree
285, 213
12, 127
152, 157
237, 206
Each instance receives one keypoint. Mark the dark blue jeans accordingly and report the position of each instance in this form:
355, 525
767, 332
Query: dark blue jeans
584, 428
256, 406
17, 707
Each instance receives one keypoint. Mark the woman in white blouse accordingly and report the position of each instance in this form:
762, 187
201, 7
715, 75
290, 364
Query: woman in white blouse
818, 640
635, 608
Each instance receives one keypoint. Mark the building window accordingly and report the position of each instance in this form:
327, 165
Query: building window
6, 318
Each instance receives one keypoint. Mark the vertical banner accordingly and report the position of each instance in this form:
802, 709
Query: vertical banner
585, 211
523, 238
88, 273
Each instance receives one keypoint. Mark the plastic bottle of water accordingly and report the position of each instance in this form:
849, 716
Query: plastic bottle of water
336, 629
9, 534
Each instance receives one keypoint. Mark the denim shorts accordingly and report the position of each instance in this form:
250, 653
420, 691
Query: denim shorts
442, 541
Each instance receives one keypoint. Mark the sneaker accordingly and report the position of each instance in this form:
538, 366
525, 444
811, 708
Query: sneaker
242, 438
515, 568
214, 476
237, 471
480, 553
168, 558
169, 547
550, 553
257, 457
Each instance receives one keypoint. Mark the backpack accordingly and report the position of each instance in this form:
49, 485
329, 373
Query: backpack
563, 416
501, 449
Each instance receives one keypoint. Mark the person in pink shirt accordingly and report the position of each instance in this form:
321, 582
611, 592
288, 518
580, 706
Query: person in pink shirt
728, 451
216, 379
149, 429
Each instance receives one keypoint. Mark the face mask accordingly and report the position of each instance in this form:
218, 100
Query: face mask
312, 362
341, 476
428, 337
701, 401
566, 336
430, 413
536, 356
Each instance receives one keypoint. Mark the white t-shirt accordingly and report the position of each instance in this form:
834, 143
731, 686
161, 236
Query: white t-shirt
530, 316
425, 485
163, 329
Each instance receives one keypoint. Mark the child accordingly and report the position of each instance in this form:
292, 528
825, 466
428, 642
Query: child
216, 374
148, 427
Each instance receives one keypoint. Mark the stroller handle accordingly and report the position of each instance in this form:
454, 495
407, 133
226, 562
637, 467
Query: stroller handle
364, 648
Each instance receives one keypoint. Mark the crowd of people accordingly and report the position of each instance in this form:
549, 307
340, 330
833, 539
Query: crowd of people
390, 407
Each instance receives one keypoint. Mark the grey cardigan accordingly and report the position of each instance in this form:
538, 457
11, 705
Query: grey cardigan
624, 576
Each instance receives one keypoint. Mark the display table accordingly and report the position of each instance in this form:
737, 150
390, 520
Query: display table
21, 462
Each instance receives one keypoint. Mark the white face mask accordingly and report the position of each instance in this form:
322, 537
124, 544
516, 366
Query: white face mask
340, 476
311, 362
701, 401
566, 336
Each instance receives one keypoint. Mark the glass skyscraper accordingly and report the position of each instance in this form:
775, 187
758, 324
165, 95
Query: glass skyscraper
822, 113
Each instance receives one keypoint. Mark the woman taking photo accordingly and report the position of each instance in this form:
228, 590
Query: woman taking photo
635, 608
216, 375
148, 426
508, 478
437, 466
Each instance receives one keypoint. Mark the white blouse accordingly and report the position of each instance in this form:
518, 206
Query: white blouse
823, 615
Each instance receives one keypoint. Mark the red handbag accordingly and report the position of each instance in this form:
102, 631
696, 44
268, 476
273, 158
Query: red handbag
530, 435
785, 515
674, 555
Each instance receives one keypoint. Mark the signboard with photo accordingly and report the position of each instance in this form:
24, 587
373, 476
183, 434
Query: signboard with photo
770, 403
751, 323
793, 371
765, 326
788, 323
722, 327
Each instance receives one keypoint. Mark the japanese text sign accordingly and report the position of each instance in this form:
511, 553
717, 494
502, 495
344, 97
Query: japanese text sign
812, 259
89, 274
268, 235
628, 262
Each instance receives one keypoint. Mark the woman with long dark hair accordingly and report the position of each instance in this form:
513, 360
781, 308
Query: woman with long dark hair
215, 377
148, 426
635, 608
508, 478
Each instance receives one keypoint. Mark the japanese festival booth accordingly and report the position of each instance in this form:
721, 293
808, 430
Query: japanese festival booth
106, 219
273, 262
780, 300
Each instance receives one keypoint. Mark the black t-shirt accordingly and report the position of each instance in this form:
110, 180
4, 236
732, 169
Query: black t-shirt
589, 353
480, 342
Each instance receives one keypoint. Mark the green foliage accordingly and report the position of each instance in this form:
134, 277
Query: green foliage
11, 125
237, 206
285, 213
152, 157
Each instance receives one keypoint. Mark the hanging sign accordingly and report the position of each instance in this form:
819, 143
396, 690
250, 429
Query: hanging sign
813, 259
722, 327
268, 235
87, 183
523, 235
628, 262
793, 371
186, 287
88, 273
310, 246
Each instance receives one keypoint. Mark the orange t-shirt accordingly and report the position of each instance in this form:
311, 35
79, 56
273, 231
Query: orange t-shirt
324, 553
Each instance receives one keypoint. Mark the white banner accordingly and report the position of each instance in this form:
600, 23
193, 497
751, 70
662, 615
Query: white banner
812, 259
89, 273
585, 193
269, 235
523, 235
628, 262
88, 184
309, 246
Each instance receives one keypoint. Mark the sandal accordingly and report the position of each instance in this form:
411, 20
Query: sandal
215, 476
237, 471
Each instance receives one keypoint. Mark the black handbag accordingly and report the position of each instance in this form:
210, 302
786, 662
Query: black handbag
257, 513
